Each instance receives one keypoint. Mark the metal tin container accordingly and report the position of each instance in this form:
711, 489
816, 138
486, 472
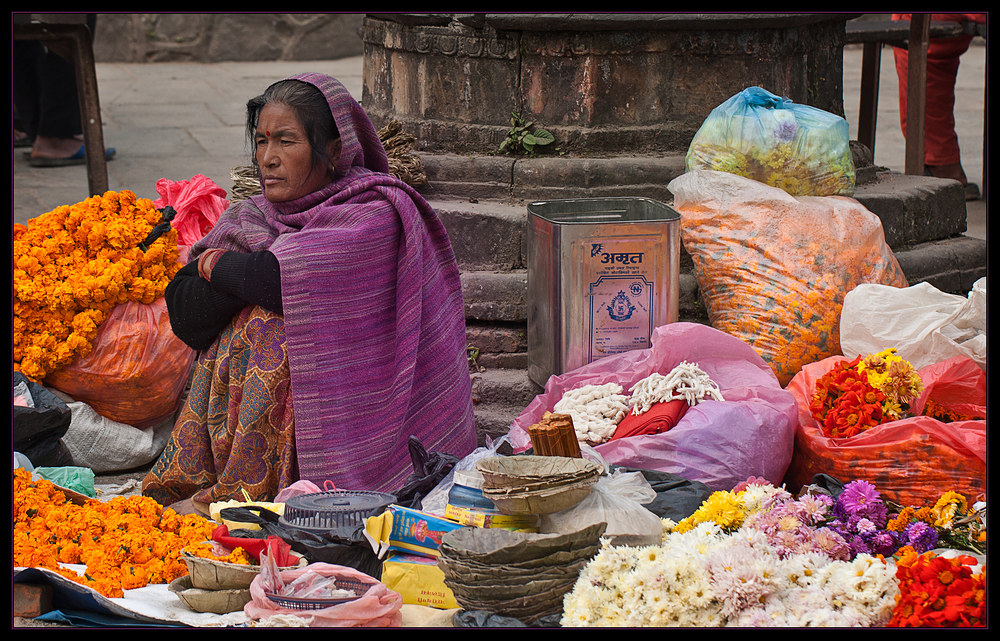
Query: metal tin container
602, 274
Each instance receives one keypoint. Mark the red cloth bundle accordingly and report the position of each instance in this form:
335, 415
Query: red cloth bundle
280, 550
659, 418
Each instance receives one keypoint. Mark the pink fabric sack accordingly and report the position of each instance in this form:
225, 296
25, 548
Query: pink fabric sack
719, 443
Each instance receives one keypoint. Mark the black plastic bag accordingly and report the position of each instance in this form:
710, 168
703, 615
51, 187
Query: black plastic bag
676, 497
38, 430
487, 619
429, 469
345, 546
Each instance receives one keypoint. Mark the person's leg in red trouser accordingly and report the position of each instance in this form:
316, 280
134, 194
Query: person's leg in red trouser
942, 157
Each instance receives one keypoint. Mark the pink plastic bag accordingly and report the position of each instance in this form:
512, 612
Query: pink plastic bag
298, 488
198, 203
378, 607
719, 443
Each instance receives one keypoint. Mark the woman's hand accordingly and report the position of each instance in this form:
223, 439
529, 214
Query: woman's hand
207, 261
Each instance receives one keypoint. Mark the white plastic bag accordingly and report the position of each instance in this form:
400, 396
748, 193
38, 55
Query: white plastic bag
105, 445
924, 324
437, 499
617, 499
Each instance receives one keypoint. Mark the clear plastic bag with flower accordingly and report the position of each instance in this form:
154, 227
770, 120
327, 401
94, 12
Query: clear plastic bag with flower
758, 135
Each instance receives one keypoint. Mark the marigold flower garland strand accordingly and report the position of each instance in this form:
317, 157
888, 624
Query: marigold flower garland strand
125, 543
73, 265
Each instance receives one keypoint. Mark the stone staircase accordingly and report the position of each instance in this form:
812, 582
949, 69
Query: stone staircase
482, 200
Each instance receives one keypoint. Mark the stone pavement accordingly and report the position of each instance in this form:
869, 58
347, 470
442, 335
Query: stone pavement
174, 120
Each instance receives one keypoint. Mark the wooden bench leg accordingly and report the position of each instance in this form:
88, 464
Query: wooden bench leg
77, 38
916, 93
871, 66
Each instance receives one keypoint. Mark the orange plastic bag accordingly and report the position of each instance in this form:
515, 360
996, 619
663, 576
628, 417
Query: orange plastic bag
137, 370
913, 460
774, 269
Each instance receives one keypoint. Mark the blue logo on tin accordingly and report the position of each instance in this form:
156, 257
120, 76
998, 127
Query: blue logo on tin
621, 308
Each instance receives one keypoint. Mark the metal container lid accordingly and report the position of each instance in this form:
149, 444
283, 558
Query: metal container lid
325, 511
616, 209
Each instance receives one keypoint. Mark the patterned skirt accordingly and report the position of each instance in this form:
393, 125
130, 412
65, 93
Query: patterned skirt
236, 431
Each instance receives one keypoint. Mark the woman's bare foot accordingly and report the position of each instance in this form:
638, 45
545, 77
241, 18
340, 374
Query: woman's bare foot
190, 506
953, 171
56, 148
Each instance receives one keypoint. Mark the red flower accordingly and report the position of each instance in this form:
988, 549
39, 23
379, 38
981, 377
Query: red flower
939, 592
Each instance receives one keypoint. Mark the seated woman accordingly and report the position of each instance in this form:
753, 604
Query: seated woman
329, 315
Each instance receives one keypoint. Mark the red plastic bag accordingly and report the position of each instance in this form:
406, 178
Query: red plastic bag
198, 203
137, 369
913, 460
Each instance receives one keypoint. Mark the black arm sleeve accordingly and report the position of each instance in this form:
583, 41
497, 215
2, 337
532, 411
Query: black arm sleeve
199, 310
252, 277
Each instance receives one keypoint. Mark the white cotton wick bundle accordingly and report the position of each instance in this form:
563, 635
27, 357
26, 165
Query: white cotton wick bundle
596, 410
686, 382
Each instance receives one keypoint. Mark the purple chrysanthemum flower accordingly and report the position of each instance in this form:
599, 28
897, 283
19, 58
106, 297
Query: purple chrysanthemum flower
860, 499
921, 536
883, 543
857, 495
859, 544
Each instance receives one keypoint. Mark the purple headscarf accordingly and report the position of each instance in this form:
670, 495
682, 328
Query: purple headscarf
373, 311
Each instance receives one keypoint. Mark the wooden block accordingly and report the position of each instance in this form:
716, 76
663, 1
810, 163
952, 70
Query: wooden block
32, 599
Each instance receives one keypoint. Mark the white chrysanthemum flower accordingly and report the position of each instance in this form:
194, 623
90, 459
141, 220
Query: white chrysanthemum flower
704, 577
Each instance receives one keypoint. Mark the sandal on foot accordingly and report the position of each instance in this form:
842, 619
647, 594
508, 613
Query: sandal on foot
79, 158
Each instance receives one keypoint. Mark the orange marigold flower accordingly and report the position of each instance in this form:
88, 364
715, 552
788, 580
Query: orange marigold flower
81, 259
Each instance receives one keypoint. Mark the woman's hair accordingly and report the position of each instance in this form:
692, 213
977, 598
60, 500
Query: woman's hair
311, 108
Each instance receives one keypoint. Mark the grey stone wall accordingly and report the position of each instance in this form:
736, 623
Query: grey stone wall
216, 37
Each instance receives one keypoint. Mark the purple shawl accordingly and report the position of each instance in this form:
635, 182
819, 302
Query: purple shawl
373, 311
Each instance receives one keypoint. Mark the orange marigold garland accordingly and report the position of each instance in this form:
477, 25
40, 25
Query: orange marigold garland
125, 543
74, 264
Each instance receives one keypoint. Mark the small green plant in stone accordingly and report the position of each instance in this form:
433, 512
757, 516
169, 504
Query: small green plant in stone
523, 137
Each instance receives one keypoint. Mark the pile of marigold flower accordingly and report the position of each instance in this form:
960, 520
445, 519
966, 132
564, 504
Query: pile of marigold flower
867, 391
125, 543
74, 264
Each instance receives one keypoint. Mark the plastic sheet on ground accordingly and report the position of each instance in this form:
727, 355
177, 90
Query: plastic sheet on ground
150, 604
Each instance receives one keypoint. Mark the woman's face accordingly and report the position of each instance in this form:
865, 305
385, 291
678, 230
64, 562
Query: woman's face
284, 155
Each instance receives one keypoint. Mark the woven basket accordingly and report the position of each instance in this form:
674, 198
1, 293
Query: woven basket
214, 601
210, 574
